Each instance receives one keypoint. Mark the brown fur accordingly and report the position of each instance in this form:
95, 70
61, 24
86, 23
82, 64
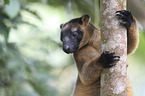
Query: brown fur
132, 37
87, 58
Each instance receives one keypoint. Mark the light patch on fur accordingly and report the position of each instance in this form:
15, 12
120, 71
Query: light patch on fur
74, 29
65, 27
66, 38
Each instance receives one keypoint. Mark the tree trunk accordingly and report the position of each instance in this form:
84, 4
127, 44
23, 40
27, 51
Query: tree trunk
114, 39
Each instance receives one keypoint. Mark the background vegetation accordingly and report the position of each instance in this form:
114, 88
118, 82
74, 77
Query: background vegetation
32, 62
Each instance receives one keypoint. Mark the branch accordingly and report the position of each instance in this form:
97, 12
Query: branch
114, 39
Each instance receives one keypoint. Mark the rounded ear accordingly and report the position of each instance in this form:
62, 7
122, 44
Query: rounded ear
86, 19
61, 26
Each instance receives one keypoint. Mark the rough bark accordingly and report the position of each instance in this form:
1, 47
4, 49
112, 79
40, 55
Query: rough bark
114, 39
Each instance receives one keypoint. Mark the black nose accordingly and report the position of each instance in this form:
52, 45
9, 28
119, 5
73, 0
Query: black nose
66, 48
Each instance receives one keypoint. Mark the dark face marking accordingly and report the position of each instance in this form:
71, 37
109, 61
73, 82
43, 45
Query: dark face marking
71, 38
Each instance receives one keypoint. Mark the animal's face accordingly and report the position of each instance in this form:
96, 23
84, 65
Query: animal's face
72, 33
71, 37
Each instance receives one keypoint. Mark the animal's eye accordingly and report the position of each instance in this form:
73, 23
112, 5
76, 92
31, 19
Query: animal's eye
75, 34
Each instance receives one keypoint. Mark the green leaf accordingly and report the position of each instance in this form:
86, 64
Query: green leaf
7, 2
12, 9
4, 31
32, 12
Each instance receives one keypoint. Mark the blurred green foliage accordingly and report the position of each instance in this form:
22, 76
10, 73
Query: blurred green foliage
32, 62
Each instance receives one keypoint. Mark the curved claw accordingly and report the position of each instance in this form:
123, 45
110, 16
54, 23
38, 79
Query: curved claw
126, 17
108, 59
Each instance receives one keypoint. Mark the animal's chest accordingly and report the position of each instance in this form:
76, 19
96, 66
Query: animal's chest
85, 55
87, 51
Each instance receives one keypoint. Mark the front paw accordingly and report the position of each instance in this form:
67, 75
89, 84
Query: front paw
108, 59
126, 17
